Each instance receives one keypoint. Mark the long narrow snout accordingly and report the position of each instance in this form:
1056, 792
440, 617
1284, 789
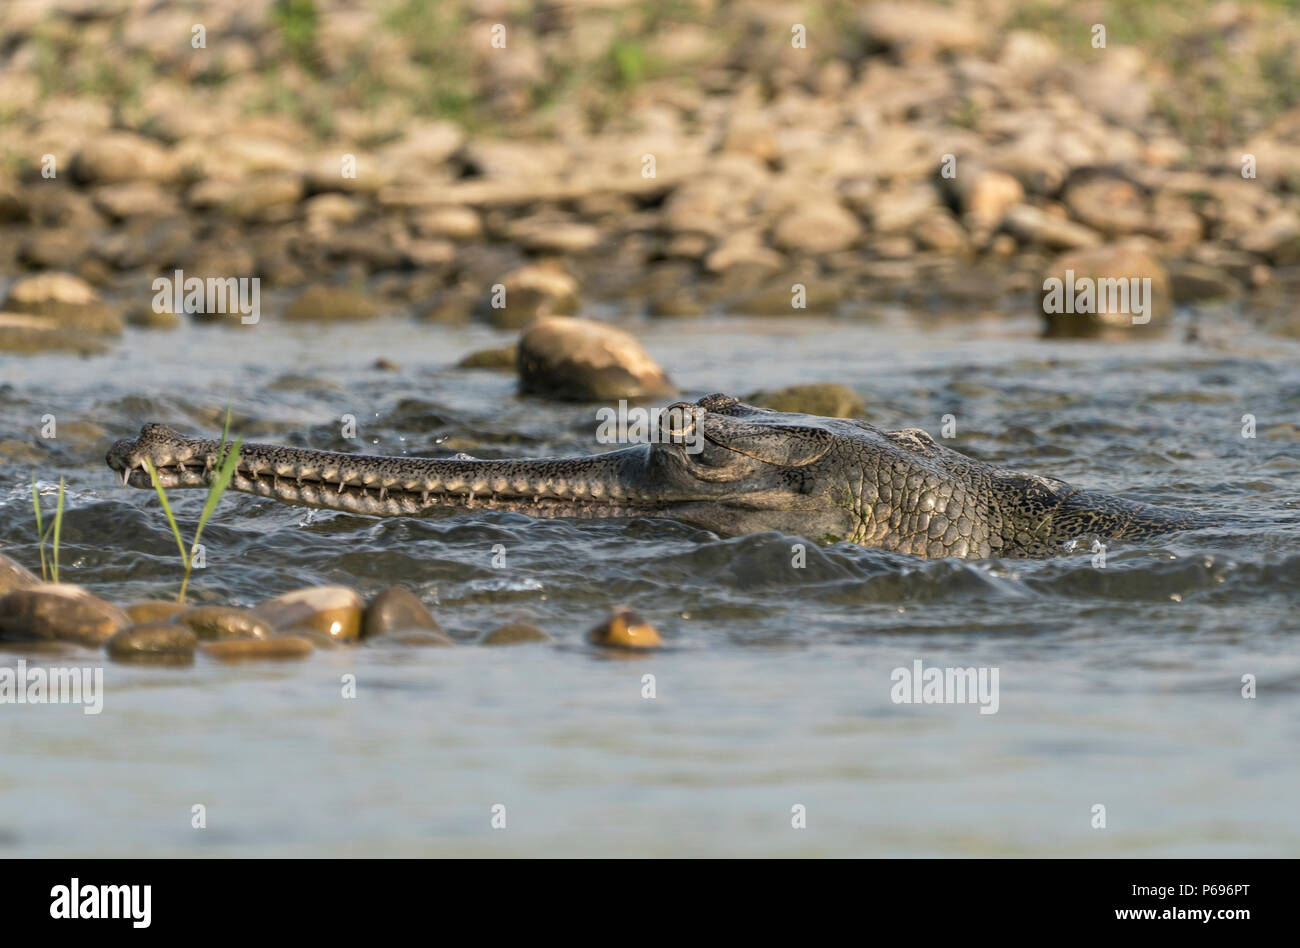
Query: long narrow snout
612, 484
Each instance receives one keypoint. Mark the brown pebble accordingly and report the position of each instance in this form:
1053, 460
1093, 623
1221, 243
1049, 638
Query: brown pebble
514, 633
153, 610
58, 612
395, 610
154, 643
625, 629
502, 357
327, 614
213, 623
241, 650
13, 575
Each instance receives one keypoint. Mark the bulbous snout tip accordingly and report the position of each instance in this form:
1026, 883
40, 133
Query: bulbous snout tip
118, 453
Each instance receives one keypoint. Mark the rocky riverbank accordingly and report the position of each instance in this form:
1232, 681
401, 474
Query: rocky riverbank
726, 158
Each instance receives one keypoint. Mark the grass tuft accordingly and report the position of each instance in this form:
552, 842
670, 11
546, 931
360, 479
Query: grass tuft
228, 458
48, 569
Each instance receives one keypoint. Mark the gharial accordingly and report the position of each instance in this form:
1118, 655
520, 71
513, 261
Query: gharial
718, 464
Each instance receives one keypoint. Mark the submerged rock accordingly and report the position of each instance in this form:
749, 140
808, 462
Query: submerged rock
398, 610
242, 650
625, 629
59, 612
153, 643
829, 399
582, 360
214, 623
329, 614
502, 357
514, 633
153, 610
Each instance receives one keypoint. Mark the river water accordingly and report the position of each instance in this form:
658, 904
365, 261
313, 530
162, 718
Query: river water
1119, 686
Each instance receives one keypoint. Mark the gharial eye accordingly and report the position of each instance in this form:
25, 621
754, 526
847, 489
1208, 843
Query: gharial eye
678, 422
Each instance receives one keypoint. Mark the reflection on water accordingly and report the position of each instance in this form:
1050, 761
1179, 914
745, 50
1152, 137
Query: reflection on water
1118, 686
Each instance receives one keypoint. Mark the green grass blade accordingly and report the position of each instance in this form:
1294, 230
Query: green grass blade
167, 509
220, 481
58, 529
229, 459
40, 529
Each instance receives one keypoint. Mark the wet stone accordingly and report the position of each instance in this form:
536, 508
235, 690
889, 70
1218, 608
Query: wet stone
582, 360
528, 293
625, 629
326, 614
398, 610
59, 612
243, 650
13, 575
502, 357
153, 610
214, 623
829, 400
515, 633
153, 643
63, 301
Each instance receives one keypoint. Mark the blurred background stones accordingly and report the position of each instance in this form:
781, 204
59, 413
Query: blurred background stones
678, 160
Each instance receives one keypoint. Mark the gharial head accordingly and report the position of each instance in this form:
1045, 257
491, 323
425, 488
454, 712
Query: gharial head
825, 478
721, 441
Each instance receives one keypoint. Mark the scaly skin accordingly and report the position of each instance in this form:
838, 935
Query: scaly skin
825, 478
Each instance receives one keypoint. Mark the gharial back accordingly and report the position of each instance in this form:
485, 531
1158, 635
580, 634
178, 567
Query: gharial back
906, 493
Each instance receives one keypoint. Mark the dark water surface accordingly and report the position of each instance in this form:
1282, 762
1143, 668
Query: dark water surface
1119, 686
